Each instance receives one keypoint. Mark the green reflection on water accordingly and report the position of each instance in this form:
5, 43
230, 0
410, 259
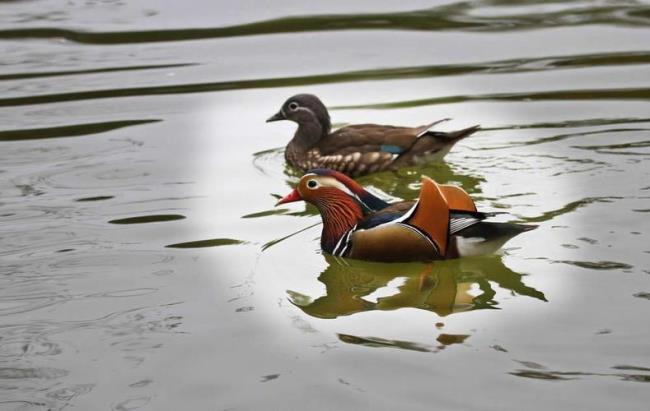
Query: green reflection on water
405, 182
444, 287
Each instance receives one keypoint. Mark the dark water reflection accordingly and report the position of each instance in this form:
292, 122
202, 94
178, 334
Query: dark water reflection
68, 131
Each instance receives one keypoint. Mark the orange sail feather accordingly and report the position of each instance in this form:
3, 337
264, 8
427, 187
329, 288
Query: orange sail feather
431, 214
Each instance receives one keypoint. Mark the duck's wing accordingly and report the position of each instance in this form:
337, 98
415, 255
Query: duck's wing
430, 215
374, 138
441, 211
380, 217
462, 210
413, 230
365, 148
368, 138
458, 220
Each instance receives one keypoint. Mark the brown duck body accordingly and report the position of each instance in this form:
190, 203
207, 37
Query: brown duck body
402, 243
359, 149
368, 148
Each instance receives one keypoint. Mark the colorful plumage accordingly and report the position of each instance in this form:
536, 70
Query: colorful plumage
443, 223
358, 149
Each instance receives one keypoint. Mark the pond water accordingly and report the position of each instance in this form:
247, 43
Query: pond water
144, 266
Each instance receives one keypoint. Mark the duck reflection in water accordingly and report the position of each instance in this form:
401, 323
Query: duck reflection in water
444, 287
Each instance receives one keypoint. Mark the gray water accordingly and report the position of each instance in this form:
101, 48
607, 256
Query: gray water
143, 265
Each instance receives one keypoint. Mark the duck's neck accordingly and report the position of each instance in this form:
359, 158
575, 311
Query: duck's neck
340, 213
306, 137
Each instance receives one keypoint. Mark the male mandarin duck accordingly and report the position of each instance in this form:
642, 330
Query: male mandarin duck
443, 223
358, 149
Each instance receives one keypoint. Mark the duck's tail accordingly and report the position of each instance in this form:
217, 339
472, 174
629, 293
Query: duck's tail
454, 135
487, 237
431, 146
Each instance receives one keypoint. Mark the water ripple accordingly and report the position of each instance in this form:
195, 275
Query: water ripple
451, 17
568, 208
69, 131
491, 67
213, 242
40, 373
148, 219
553, 95
22, 76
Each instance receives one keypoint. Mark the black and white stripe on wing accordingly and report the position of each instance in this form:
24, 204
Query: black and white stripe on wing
459, 222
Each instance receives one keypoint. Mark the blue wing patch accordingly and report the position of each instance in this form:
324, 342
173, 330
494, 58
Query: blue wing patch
372, 203
389, 148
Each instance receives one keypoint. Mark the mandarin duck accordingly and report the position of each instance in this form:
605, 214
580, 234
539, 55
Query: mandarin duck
443, 223
358, 149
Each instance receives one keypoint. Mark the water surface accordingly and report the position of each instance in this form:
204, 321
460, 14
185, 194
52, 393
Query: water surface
143, 265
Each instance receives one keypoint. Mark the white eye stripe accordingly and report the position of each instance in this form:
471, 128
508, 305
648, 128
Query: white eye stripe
324, 181
305, 109
332, 182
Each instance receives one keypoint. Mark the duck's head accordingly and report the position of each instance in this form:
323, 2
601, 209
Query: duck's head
324, 186
304, 109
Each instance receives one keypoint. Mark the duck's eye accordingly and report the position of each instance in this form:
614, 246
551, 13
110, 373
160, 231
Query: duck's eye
312, 184
293, 106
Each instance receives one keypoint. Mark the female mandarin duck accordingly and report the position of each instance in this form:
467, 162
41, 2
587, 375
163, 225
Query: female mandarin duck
358, 149
443, 223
